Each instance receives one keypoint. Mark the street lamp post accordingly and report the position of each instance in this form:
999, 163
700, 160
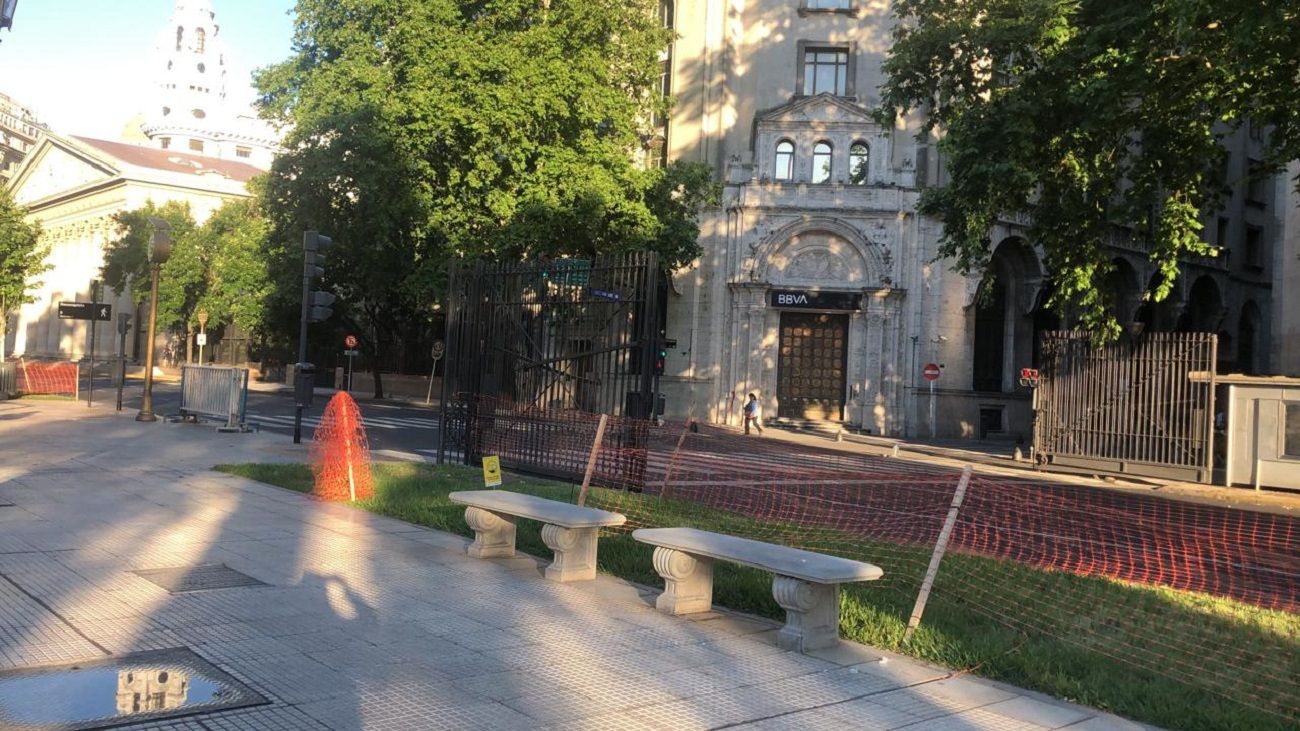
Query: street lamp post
159, 249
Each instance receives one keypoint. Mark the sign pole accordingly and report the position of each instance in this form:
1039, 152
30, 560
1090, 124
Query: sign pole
123, 324
439, 348
94, 327
932, 409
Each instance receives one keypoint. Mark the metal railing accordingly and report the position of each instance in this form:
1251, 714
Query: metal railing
8, 380
215, 392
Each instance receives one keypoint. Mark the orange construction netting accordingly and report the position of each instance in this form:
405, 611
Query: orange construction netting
340, 453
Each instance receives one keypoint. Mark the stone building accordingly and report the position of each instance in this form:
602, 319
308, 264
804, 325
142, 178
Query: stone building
191, 110
73, 186
818, 289
18, 131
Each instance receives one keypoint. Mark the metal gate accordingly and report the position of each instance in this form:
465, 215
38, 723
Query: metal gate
810, 370
562, 335
1131, 407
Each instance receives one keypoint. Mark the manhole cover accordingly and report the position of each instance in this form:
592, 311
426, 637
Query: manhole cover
197, 578
131, 689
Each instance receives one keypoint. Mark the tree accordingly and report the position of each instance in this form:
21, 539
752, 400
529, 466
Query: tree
218, 267
433, 130
1098, 118
22, 259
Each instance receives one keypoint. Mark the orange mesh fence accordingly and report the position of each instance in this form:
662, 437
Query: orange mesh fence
340, 453
48, 377
1127, 577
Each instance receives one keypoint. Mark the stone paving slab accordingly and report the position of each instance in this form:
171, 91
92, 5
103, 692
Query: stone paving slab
371, 623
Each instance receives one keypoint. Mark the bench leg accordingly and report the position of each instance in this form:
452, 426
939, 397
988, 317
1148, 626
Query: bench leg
688, 582
812, 619
575, 552
494, 535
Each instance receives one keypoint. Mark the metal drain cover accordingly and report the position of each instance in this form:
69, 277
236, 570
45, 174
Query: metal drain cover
197, 578
145, 686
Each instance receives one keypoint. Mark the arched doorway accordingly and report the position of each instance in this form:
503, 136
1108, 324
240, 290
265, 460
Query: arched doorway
1248, 339
1204, 311
1009, 313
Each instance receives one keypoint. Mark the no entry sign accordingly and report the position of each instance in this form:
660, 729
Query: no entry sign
930, 371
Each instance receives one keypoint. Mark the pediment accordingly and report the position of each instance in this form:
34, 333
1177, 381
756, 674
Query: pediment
54, 167
824, 108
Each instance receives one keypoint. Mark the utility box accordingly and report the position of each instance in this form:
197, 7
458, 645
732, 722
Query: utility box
304, 384
1263, 431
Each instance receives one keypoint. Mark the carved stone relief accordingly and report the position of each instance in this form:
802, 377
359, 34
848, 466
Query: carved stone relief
818, 265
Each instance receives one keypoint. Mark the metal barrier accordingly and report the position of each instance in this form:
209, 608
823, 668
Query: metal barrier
216, 392
8, 380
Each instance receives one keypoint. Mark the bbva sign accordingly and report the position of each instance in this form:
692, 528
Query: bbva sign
814, 300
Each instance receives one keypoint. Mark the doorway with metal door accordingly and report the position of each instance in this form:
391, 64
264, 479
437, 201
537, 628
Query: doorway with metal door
812, 366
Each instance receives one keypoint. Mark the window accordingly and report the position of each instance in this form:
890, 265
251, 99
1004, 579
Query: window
1291, 438
807, 7
199, 113
824, 70
243, 152
200, 40
164, 142
1254, 257
202, 68
1258, 185
821, 172
859, 156
167, 111
784, 161
180, 34
1221, 235
196, 145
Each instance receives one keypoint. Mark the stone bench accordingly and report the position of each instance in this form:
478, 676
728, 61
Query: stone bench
806, 584
571, 531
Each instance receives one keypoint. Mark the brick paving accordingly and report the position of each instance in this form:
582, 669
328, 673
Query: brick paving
366, 622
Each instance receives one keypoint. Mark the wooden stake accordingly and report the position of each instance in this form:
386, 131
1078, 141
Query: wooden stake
939, 547
591, 460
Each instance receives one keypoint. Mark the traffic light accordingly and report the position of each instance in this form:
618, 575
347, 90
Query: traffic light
316, 304
661, 355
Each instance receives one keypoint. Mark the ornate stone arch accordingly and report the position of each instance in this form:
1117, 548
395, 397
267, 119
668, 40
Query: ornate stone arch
821, 248
1016, 260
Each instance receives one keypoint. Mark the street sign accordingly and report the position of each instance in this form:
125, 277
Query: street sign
85, 311
439, 348
931, 372
350, 341
201, 339
492, 471
352, 353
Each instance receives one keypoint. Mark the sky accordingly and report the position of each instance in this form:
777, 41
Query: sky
83, 66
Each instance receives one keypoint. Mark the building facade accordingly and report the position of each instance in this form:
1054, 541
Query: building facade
1286, 281
73, 186
18, 132
819, 289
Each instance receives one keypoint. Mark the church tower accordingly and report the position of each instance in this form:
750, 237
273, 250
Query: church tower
189, 110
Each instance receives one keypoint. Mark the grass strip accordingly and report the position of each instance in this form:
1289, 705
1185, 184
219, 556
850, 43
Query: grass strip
1107, 644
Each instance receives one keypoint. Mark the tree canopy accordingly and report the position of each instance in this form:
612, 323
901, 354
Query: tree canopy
427, 131
1100, 119
22, 259
217, 267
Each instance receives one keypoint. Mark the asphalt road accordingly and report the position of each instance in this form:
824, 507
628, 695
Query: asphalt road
389, 425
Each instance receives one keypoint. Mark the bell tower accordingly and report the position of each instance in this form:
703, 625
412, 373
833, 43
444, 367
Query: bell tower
189, 103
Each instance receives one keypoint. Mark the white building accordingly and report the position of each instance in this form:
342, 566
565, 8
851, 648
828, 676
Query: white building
816, 288
191, 109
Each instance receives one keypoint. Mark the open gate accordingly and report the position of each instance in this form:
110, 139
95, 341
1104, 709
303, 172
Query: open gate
1130, 407
571, 335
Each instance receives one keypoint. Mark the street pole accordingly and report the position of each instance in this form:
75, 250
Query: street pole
932, 409
146, 401
122, 326
302, 349
94, 327
203, 334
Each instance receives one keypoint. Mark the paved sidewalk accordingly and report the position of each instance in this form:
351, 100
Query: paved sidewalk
373, 623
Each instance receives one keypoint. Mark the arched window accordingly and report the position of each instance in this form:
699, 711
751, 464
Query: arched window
821, 172
859, 155
200, 40
180, 34
784, 161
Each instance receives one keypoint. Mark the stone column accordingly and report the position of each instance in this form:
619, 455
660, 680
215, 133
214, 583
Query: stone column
575, 552
812, 619
494, 535
688, 582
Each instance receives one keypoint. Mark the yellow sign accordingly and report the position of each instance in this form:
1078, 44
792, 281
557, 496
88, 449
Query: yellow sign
492, 471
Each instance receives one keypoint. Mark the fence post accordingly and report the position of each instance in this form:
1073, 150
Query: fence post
591, 459
939, 547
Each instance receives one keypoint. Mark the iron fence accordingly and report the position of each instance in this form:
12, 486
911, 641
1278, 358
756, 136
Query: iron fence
1131, 407
8, 379
568, 334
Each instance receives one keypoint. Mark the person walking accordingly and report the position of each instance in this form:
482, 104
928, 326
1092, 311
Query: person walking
753, 414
